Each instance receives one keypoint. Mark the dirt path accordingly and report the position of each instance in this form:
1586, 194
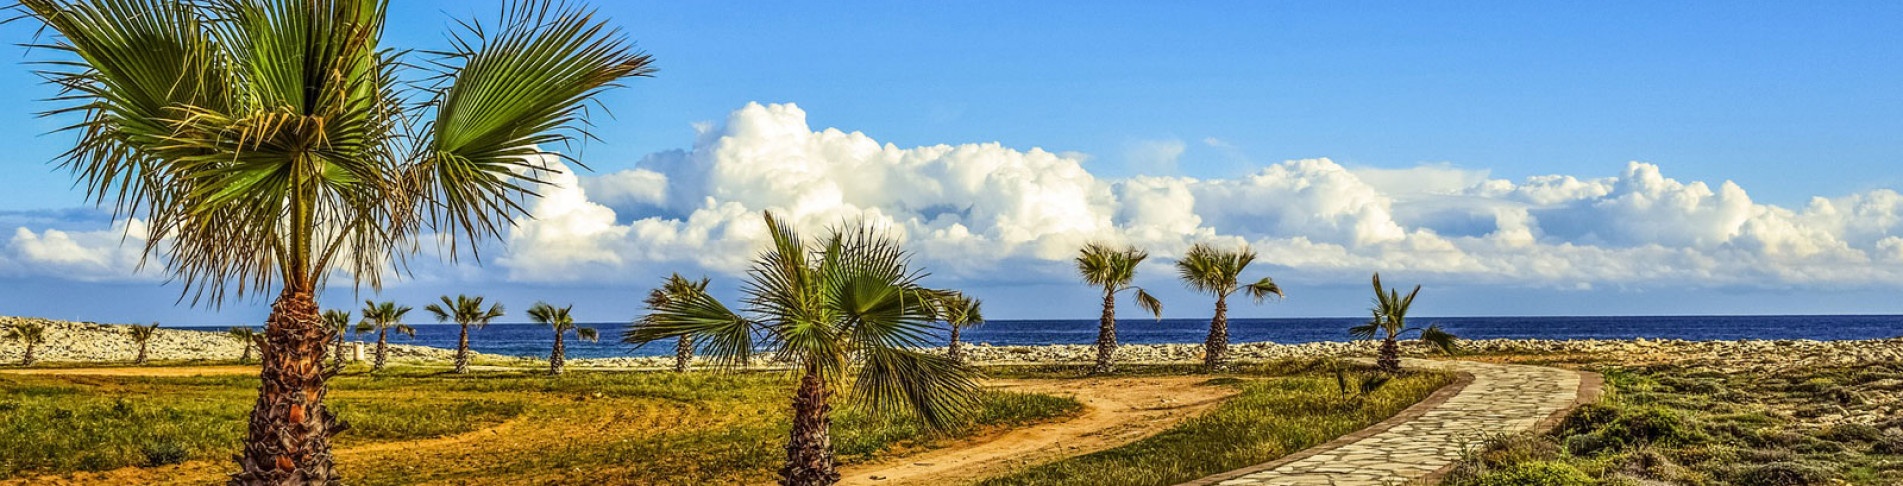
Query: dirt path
1117, 411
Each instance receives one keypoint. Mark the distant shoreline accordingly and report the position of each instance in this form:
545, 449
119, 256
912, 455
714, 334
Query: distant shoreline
71, 342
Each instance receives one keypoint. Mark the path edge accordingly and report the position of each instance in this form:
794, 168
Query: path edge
1408, 414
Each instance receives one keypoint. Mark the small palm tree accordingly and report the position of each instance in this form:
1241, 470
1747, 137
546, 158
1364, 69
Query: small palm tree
557, 318
675, 288
1390, 322
383, 318
276, 143
845, 301
959, 311
246, 337
142, 335
338, 322
31, 334
466, 311
1112, 269
1214, 271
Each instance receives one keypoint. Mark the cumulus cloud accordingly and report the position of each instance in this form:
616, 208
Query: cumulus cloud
985, 212
90, 256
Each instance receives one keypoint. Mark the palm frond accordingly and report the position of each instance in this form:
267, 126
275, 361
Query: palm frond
719, 332
587, 334
504, 92
1210, 270
898, 380
1149, 303
1107, 267
1262, 289
1439, 338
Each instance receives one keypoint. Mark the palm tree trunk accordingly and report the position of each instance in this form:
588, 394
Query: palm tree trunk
141, 359
683, 353
1390, 359
1107, 334
462, 352
337, 352
1216, 349
288, 442
556, 359
246, 357
28, 359
952, 350
383, 349
809, 450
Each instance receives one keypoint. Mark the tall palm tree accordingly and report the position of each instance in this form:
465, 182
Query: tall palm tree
246, 337
557, 318
828, 306
275, 142
383, 318
142, 335
32, 335
1214, 271
337, 321
959, 311
675, 287
1112, 269
1390, 322
466, 311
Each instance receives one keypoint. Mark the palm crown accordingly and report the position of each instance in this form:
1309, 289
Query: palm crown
337, 321
1112, 269
27, 333
558, 319
960, 310
272, 139
1214, 271
822, 303
387, 315
144, 333
465, 310
1390, 319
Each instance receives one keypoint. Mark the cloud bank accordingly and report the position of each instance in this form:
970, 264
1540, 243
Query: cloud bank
989, 213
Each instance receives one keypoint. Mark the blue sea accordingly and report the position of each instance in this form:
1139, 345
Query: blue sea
534, 340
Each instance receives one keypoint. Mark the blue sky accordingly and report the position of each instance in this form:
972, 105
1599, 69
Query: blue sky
1788, 101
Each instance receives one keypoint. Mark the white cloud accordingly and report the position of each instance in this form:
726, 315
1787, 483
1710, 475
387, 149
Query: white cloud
985, 212
89, 256
1155, 157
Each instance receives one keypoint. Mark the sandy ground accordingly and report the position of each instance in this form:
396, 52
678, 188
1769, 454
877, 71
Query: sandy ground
1117, 411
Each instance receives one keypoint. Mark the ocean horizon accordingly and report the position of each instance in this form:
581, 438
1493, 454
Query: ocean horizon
533, 340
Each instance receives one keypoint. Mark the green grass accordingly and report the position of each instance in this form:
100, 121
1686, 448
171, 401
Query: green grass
1682, 425
660, 428
1271, 417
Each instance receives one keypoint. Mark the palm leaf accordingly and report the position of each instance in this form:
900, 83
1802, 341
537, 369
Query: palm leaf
894, 381
1149, 304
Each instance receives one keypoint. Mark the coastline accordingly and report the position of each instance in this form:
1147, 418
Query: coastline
85, 342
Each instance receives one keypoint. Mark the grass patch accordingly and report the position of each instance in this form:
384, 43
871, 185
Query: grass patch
1673, 424
612, 427
1271, 417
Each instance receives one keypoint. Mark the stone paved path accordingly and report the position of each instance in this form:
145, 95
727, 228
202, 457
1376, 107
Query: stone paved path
1500, 399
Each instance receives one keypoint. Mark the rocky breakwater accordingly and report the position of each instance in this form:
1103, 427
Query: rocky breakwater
87, 342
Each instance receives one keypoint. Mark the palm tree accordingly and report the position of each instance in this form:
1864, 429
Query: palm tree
557, 318
142, 335
246, 337
1390, 321
338, 323
1214, 271
277, 142
828, 306
1112, 270
675, 287
466, 311
31, 334
959, 311
383, 318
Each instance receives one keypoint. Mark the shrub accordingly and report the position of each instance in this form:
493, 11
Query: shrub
1653, 425
1586, 444
1514, 449
165, 454
1587, 418
1851, 433
1891, 444
1781, 474
1543, 473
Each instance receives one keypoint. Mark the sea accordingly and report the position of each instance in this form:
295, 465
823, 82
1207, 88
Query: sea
534, 340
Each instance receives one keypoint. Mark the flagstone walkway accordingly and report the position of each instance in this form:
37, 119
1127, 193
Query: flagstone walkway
1424, 441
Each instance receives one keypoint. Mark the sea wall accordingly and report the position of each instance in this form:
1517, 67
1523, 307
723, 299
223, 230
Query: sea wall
88, 342
91, 342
